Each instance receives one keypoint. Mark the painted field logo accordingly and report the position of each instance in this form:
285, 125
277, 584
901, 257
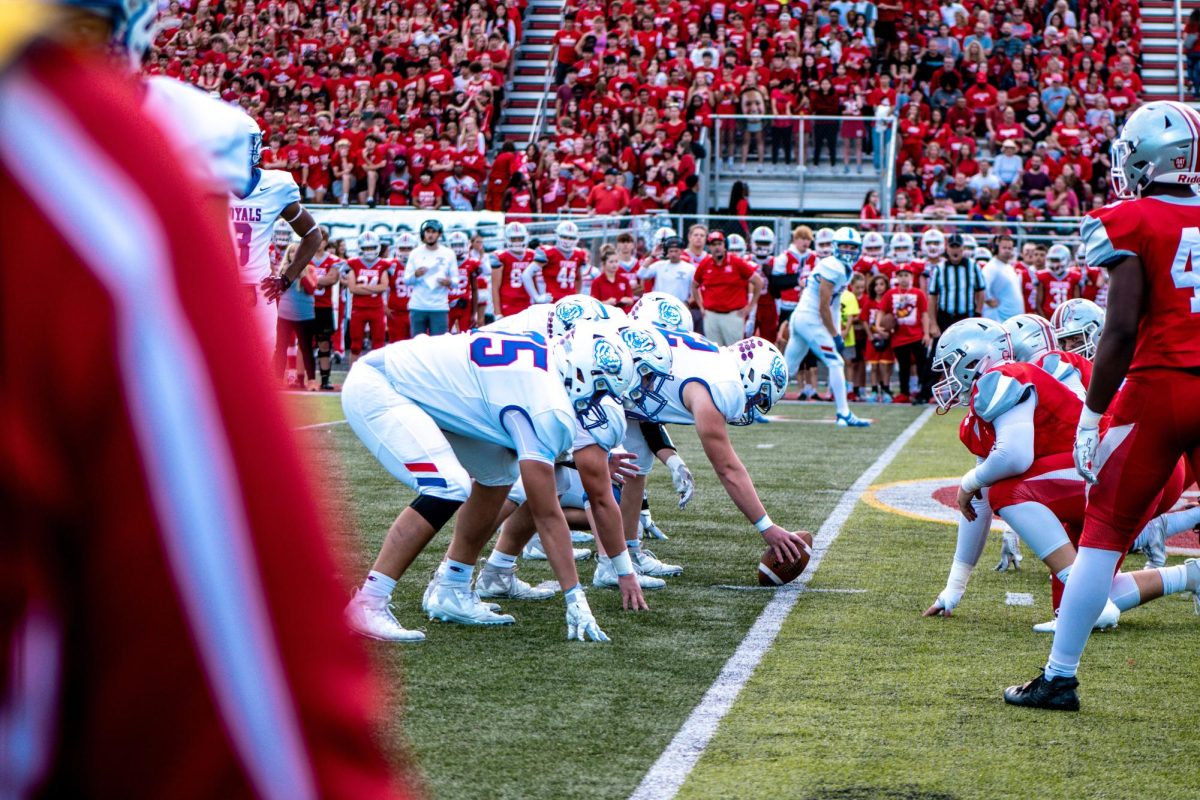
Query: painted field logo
928, 499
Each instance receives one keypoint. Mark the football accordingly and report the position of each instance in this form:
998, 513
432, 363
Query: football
772, 572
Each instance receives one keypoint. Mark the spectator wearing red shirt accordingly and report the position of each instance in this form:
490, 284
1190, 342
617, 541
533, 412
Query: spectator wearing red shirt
426, 195
726, 288
905, 312
608, 198
565, 40
613, 286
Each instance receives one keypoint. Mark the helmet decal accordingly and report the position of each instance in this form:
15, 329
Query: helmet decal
669, 314
606, 357
779, 373
568, 312
637, 341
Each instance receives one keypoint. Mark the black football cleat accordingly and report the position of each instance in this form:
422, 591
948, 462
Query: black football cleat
1053, 694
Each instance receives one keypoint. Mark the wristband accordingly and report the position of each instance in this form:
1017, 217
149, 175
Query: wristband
622, 564
674, 462
764, 524
1089, 418
970, 482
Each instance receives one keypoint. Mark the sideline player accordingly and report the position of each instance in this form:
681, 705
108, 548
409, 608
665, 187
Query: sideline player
508, 290
399, 327
1151, 341
144, 450
815, 325
1060, 281
466, 311
557, 270
762, 254
366, 282
327, 269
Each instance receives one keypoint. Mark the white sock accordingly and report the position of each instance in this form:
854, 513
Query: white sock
1064, 573
1174, 579
1083, 600
1125, 593
837, 385
633, 544
1180, 521
457, 573
501, 560
378, 586
1038, 528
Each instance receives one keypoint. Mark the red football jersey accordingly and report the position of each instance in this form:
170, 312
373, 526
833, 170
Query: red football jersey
365, 274
1029, 287
468, 271
1075, 360
560, 271
1164, 233
398, 290
1054, 419
1058, 290
796, 264
513, 297
323, 296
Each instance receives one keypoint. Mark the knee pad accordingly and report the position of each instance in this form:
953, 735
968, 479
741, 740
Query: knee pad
437, 511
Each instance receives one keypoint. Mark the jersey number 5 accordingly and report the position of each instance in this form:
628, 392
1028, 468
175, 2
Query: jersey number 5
496, 351
242, 233
1188, 254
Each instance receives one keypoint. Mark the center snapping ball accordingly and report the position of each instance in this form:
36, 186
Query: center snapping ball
772, 572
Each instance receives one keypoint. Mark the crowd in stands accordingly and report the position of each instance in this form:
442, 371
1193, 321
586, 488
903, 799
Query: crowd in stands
1005, 108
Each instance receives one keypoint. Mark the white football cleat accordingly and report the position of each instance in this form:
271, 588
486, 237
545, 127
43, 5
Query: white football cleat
375, 620
534, 551
1108, 620
605, 577
581, 537
647, 526
850, 420
1010, 552
496, 582
450, 603
645, 563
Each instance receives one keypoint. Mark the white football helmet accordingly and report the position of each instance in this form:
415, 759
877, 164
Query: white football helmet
933, 243
872, 246
1031, 336
762, 242
1058, 260
368, 246
735, 244
459, 243
566, 235
1157, 144
970, 245
592, 362
965, 351
664, 310
902, 248
1077, 326
405, 243
516, 237
573, 309
847, 246
652, 361
823, 242
764, 376
983, 255
281, 235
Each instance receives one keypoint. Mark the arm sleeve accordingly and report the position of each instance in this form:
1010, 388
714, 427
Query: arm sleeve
656, 437
525, 439
528, 276
781, 282
972, 536
1013, 452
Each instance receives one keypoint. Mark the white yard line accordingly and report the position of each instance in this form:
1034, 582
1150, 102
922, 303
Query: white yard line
320, 425
669, 772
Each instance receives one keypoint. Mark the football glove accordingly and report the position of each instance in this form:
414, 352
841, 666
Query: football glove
544, 297
273, 287
581, 625
1010, 552
1087, 442
681, 476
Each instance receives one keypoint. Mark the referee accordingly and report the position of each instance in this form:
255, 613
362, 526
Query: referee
956, 286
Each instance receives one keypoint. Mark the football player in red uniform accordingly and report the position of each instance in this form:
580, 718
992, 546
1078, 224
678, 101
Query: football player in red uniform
1148, 243
366, 280
872, 254
509, 295
762, 255
559, 267
788, 272
1060, 281
1033, 341
327, 268
466, 311
398, 327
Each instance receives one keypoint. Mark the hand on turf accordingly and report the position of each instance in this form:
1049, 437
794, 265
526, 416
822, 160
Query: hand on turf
964, 504
273, 287
1087, 441
581, 625
681, 476
785, 544
622, 466
938, 609
631, 593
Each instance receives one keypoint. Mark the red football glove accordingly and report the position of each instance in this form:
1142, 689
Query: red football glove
273, 287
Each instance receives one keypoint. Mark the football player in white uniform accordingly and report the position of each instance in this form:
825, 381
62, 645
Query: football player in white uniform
815, 323
458, 418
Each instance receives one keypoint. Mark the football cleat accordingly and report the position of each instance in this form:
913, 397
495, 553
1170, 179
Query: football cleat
605, 577
1053, 694
496, 582
1155, 545
849, 420
582, 537
645, 563
433, 582
1108, 620
376, 621
534, 551
647, 526
450, 603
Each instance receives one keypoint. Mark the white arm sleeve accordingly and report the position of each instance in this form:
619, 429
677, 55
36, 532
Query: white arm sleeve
972, 536
528, 279
1013, 451
525, 439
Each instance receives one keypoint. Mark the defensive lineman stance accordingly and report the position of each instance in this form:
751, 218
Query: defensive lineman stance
815, 323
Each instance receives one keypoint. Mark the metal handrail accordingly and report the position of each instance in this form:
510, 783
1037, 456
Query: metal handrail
539, 117
885, 202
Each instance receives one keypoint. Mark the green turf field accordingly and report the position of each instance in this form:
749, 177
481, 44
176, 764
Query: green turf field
859, 698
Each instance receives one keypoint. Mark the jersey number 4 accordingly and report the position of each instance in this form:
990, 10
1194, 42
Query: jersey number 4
496, 350
1187, 255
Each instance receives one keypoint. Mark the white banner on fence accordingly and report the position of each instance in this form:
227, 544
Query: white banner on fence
348, 223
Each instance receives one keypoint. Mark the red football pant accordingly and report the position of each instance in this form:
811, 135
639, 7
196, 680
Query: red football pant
398, 327
461, 320
1155, 423
359, 321
767, 318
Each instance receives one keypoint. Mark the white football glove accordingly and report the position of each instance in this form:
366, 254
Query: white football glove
948, 600
681, 476
1087, 442
544, 297
581, 624
1010, 552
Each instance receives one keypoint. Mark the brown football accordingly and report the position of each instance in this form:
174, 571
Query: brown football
772, 572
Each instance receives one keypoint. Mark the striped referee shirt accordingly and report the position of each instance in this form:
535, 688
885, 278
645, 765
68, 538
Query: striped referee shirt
953, 286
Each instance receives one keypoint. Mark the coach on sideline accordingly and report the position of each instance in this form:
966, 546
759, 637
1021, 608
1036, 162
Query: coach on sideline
956, 287
726, 288
431, 270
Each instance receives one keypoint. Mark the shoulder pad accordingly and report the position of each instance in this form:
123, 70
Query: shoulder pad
1101, 252
997, 393
830, 269
1059, 368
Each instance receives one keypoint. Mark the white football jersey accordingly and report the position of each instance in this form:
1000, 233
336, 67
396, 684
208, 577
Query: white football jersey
467, 381
827, 270
253, 220
697, 360
534, 319
210, 135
